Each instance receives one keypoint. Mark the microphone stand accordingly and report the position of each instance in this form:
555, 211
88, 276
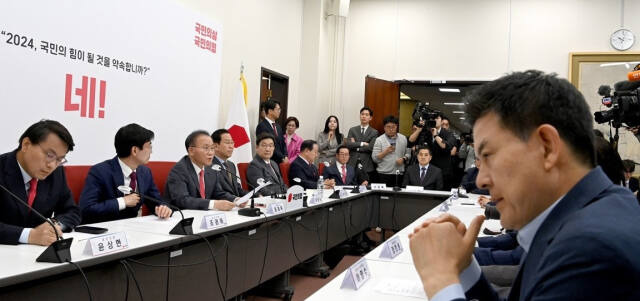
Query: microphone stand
396, 187
60, 250
184, 227
252, 211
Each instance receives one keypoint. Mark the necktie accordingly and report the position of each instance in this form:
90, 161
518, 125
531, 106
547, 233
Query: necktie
423, 173
362, 131
275, 130
33, 185
273, 170
134, 181
344, 174
201, 179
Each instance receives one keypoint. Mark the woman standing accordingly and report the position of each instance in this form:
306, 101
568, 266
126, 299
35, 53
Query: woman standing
329, 140
292, 139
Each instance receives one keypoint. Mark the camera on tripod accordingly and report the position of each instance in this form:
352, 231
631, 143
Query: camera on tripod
422, 113
624, 104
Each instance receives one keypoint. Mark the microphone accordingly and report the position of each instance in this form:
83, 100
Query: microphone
396, 187
219, 168
184, 227
252, 211
60, 250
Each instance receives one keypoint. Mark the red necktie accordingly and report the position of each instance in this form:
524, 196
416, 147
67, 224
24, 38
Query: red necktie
33, 185
134, 181
344, 175
202, 183
274, 129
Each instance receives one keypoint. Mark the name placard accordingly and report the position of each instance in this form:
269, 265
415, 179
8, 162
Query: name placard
213, 221
392, 248
275, 208
357, 275
106, 244
376, 186
316, 198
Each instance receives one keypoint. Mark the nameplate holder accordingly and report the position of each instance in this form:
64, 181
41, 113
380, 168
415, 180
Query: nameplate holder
362, 188
295, 197
343, 193
414, 188
106, 244
378, 186
356, 275
276, 208
213, 221
392, 248
316, 198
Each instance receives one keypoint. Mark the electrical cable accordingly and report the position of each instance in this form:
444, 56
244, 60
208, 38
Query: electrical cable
215, 265
133, 275
126, 292
86, 281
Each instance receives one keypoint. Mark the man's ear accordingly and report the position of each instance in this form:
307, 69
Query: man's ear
551, 143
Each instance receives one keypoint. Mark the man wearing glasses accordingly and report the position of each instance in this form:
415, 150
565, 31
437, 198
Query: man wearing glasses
101, 199
34, 173
192, 183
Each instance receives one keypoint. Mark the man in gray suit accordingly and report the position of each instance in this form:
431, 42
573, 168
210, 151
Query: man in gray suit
191, 183
262, 167
360, 140
423, 174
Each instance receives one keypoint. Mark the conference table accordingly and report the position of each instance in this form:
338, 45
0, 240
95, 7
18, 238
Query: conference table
396, 278
228, 260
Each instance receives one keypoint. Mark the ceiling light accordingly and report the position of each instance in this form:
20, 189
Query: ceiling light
458, 112
452, 90
454, 103
461, 118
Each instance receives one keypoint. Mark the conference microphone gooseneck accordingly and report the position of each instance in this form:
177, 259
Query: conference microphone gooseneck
59, 251
184, 227
252, 211
397, 187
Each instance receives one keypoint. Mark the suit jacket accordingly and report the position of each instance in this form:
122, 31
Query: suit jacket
52, 197
441, 157
98, 201
308, 173
281, 146
586, 249
633, 184
362, 154
501, 249
469, 182
354, 176
259, 169
183, 188
230, 184
432, 180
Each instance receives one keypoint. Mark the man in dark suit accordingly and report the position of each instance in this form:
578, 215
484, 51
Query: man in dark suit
423, 174
360, 140
191, 183
343, 173
34, 173
303, 168
629, 181
101, 200
579, 231
223, 146
469, 180
269, 125
262, 167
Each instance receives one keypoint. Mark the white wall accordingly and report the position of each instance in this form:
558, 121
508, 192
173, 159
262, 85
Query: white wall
457, 39
258, 34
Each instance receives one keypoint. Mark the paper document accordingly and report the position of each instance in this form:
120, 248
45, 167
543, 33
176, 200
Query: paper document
247, 196
401, 287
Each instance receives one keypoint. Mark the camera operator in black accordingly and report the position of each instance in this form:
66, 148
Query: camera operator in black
440, 141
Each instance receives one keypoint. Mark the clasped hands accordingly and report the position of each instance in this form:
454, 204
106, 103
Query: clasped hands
441, 248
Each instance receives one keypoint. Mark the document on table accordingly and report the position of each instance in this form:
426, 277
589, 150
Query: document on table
401, 287
247, 196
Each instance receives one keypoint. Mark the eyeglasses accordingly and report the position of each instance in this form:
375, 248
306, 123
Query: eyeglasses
206, 149
51, 157
267, 145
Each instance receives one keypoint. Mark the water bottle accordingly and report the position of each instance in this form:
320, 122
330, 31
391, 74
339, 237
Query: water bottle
320, 187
